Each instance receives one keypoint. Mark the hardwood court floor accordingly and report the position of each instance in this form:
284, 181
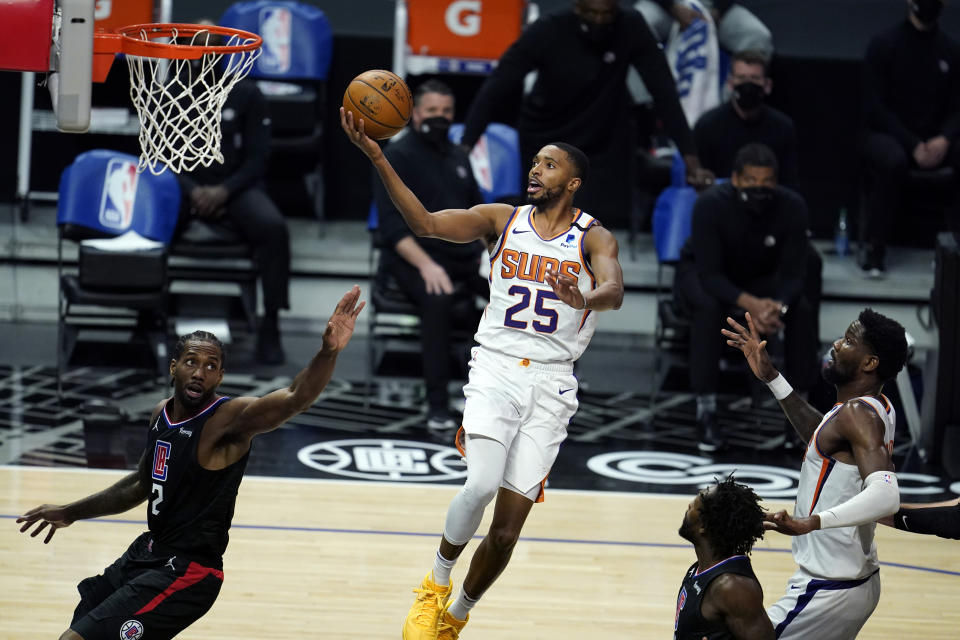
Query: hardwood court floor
327, 559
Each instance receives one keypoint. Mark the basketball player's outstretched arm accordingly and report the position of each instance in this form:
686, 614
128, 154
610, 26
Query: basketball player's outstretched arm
601, 247
936, 518
802, 415
247, 417
480, 222
127, 493
855, 437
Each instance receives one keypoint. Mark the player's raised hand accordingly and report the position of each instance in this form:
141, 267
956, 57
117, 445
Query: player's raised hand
753, 348
565, 287
342, 322
47, 515
783, 522
357, 135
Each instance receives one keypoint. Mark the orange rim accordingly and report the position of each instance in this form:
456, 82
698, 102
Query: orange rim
130, 40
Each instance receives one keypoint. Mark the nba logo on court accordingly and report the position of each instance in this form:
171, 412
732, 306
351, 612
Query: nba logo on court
131, 630
119, 194
275, 29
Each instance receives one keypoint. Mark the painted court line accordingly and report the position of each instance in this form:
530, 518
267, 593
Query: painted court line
615, 543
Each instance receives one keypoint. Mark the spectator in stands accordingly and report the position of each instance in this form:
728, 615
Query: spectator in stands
912, 111
737, 28
232, 195
429, 270
581, 57
747, 252
746, 118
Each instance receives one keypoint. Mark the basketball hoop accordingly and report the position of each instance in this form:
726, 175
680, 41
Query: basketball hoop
180, 76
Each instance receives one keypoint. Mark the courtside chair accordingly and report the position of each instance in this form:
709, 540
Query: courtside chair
101, 195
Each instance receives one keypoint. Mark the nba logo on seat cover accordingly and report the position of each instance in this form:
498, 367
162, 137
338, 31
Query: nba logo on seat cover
119, 194
275, 28
131, 630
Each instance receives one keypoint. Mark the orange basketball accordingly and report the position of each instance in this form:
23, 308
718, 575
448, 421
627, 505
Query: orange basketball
382, 99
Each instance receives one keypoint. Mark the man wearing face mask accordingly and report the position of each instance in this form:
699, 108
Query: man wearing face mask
427, 269
912, 112
746, 118
747, 252
581, 57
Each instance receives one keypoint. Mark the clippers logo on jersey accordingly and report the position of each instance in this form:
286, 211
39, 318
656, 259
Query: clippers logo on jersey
161, 455
518, 264
681, 600
119, 194
131, 630
275, 29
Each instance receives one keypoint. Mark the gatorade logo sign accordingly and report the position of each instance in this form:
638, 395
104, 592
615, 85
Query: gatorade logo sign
463, 29
463, 17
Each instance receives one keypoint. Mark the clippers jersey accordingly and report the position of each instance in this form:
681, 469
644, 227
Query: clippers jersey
840, 553
190, 508
689, 623
524, 318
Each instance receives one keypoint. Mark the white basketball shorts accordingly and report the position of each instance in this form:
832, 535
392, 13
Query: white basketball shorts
824, 609
524, 405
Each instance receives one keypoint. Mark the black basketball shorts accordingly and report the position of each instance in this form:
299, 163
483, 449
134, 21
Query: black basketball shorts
145, 597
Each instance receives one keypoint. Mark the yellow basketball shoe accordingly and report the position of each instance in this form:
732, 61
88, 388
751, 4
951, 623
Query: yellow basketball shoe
424, 616
449, 627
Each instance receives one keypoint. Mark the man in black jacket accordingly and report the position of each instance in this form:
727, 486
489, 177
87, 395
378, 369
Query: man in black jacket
724, 130
747, 250
434, 273
580, 96
912, 110
232, 194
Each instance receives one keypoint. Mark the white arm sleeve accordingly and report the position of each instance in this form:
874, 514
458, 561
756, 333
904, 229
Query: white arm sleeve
880, 497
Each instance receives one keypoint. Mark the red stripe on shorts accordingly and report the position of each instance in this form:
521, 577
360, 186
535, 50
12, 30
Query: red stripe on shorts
195, 573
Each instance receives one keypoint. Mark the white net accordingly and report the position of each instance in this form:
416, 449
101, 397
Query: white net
179, 101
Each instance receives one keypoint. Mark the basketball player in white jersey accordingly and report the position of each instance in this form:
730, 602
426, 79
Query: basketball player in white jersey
847, 481
552, 268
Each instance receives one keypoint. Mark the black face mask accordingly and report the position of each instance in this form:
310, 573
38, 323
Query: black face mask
598, 36
748, 95
435, 129
757, 199
927, 11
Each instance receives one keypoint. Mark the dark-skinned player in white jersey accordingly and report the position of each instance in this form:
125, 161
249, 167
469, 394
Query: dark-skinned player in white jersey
198, 444
847, 481
552, 268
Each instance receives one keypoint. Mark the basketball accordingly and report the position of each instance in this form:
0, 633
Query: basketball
382, 99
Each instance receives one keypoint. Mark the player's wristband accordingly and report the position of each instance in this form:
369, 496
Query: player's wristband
780, 387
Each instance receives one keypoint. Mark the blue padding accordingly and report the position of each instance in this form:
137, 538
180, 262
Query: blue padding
297, 39
672, 217
503, 157
102, 190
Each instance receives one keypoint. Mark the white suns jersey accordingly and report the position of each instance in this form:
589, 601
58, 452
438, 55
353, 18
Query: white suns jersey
839, 553
525, 319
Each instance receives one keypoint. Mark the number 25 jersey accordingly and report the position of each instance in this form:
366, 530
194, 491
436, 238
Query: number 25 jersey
525, 318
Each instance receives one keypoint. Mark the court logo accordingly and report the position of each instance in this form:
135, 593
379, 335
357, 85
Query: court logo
119, 194
383, 459
685, 472
275, 28
131, 630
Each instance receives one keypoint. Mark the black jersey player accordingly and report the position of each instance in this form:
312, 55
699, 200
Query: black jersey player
198, 444
720, 596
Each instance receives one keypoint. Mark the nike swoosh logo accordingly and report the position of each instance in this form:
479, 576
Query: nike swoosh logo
905, 523
563, 391
523, 231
